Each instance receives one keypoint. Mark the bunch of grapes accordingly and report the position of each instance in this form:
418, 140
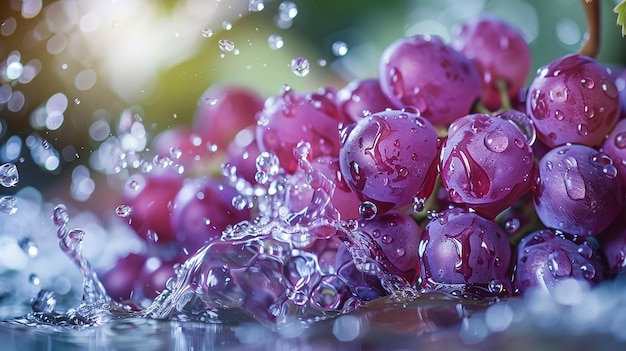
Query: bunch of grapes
424, 177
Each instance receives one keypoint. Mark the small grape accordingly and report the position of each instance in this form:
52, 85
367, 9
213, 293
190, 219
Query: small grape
486, 163
389, 158
425, 73
499, 52
362, 97
573, 100
459, 247
615, 146
575, 194
544, 258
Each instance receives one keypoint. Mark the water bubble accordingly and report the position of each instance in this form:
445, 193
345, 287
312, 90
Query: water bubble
8, 204
268, 163
133, 185
239, 202
512, 225
14, 70
368, 210
256, 5
226, 25
123, 211
226, 45
300, 66
207, 32
9, 176
29, 246
340, 48
275, 41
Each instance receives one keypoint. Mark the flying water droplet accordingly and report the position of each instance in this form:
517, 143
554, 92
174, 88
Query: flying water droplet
152, 236
8, 204
34, 279
287, 10
300, 66
29, 246
123, 211
207, 32
275, 41
45, 301
239, 202
256, 5
226, 45
340, 48
9, 176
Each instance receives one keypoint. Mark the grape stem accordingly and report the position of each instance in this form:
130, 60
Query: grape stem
503, 89
592, 43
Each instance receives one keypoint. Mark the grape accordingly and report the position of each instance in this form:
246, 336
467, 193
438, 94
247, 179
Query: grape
429, 75
615, 146
183, 146
202, 209
389, 158
150, 197
578, 191
461, 248
223, 110
242, 153
573, 100
499, 52
486, 163
119, 281
343, 199
398, 236
292, 117
613, 243
545, 258
362, 97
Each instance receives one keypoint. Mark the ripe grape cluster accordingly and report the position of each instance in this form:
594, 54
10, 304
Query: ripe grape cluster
425, 174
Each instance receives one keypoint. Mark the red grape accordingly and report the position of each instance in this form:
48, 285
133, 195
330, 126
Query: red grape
486, 163
362, 97
425, 73
573, 100
578, 191
499, 52
389, 158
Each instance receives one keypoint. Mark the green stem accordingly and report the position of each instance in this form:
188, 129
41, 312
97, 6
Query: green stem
503, 89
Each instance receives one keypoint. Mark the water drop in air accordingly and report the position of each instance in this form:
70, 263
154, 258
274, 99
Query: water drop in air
340, 48
8, 204
275, 41
9, 175
300, 66
29, 247
226, 45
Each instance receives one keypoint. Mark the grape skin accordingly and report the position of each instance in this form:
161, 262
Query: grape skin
425, 73
577, 192
389, 158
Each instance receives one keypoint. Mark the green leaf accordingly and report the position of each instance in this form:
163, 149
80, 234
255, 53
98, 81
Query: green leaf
620, 9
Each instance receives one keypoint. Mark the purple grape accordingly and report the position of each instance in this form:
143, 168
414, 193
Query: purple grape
578, 191
389, 158
292, 117
613, 243
461, 248
120, 280
362, 97
573, 100
499, 52
545, 258
398, 236
202, 209
615, 146
223, 110
486, 163
150, 197
242, 153
425, 73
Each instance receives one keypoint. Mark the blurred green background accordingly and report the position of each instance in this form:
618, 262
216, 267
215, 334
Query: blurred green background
158, 57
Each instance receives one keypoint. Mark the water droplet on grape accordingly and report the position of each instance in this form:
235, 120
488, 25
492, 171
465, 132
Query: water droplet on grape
368, 210
8, 204
152, 236
582, 129
609, 88
589, 272
587, 83
376, 234
400, 251
590, 112
558, 114
610, 171
386, 239
585, 251
300, 66
496, 141
620, 140
495, 286
226, 45
9, 176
